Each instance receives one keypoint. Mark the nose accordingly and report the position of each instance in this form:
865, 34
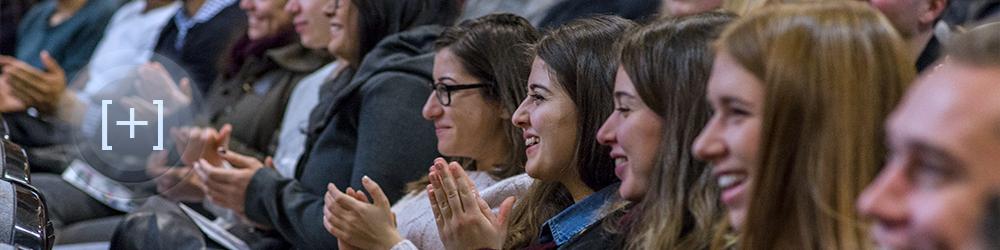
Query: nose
432, 108
246, 5
606, 134
520, 117
885, 198
707, 145
329, 8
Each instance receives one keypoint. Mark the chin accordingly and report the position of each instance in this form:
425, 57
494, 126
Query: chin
533, 171
736, 219
630, 195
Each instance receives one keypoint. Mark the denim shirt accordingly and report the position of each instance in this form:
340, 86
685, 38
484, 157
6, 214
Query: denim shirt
576, 218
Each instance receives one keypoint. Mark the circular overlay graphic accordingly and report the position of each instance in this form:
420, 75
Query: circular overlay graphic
126, 144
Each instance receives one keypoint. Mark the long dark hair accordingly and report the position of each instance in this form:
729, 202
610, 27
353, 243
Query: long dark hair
581, 60
378, 19
495, 50
669, 62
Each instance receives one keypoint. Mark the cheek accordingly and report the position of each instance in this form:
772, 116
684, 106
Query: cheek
745, 141
949, 217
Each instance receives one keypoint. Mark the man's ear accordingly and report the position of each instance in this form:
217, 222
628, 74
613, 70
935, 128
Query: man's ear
935, 9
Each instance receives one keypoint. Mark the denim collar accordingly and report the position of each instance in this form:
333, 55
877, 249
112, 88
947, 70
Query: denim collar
578, 217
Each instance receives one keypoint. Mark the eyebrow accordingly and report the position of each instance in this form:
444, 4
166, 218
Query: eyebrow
536, 87
726, 100
935, 153
622, 94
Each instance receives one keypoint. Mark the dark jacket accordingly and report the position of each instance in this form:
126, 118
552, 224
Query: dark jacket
254, 100
204, 46
371, 126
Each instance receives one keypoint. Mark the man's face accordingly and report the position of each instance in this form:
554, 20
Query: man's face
944, 161
908, 16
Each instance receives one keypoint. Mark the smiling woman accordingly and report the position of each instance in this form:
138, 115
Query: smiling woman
664, 71
793, 142
569, 94
478, 85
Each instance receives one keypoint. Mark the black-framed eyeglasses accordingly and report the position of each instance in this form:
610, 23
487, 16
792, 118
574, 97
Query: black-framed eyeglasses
443, 91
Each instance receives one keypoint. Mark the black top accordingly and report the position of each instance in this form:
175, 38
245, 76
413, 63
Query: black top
204, 46
930, 54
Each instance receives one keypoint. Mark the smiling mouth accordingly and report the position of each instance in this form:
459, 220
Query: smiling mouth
531, 141
620, 161
730, 180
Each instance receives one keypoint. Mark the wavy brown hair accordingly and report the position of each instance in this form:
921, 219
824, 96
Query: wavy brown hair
831, 72
669, 62
581, 60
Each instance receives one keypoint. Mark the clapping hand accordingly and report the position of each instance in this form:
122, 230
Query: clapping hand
464, 219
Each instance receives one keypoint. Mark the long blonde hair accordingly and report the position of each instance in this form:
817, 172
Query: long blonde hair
832, 72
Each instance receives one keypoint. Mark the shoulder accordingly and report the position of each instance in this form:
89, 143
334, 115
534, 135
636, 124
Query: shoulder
511, 186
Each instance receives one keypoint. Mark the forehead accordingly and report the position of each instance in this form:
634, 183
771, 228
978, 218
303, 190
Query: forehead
729, 79
540, 75
623, 83
955, 107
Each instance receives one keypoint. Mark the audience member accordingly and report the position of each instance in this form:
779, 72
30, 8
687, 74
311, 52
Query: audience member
368, 124
663, 74
198, 38
10, 16
251, 96
569, 95
313, 27
54, 41
943, 149
915, 21
126, 44
480, 82
792, 141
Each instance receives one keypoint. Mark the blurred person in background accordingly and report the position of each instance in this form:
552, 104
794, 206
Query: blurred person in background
944, 145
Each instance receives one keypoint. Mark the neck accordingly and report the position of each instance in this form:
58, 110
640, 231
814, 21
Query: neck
69, 5
918, 42
191, 6
492, 158
577, 189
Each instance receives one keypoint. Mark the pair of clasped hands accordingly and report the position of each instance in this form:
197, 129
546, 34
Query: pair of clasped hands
208, 171
464, 220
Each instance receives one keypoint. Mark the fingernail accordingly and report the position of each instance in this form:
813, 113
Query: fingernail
366, 179
329, 186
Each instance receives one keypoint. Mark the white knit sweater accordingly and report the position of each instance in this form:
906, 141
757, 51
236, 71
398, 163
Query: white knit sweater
415, 220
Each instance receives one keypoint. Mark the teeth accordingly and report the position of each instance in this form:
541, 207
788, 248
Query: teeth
729, 180
620, 161
531, 141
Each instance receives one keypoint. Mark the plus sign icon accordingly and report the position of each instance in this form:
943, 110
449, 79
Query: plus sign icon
131, 123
